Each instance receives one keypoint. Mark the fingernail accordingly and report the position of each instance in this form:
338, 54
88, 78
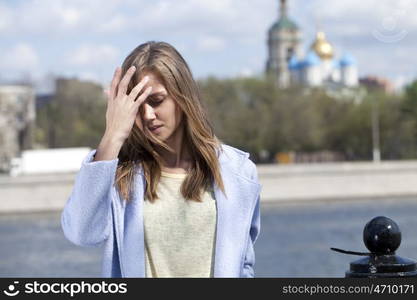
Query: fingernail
132, 68
146, 78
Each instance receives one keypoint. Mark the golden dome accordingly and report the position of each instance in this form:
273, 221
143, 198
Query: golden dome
322, 47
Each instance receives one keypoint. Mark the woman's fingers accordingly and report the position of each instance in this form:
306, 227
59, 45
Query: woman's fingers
143, 96
114, 82
138, 102
122, 88
136, 90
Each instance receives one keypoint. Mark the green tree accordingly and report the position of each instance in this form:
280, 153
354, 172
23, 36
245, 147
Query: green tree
75, 117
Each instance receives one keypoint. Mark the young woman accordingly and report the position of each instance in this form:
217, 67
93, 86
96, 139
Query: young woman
163, 195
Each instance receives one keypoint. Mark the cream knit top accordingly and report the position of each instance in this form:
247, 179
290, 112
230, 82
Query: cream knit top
179, 234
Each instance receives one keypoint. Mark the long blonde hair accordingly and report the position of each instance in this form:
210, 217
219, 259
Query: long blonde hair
139, 148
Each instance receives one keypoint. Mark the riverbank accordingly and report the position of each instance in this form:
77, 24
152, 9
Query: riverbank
338, 181
280, 184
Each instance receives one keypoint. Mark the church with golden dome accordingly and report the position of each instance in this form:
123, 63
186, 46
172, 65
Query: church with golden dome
319, 67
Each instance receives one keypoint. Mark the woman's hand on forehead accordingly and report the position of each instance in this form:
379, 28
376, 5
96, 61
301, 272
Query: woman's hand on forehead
122, 108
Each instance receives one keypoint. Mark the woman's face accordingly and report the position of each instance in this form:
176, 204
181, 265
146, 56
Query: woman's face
159, 113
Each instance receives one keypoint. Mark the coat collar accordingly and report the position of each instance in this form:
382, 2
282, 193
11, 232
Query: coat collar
231, 157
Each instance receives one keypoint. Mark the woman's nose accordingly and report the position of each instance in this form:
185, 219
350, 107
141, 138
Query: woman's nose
149, 112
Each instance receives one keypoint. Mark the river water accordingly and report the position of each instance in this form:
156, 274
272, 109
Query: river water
295, 240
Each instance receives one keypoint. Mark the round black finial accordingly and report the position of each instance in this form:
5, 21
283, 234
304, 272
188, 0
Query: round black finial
382, 235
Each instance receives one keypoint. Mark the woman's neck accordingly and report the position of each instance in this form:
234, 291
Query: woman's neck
178, 161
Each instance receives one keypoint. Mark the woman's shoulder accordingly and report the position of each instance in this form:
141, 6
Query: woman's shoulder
234, 151
239, 160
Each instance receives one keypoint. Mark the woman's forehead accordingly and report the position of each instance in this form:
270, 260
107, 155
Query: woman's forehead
152, 76
158, 87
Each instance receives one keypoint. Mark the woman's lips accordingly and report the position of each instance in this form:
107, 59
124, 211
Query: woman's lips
155, 129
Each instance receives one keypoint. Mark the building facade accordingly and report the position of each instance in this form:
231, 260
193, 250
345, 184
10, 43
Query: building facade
17, 122
318, 68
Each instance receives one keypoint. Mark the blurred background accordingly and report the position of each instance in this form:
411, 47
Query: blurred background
322, 94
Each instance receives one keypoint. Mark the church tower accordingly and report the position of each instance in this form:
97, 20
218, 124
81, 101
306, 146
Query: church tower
284, 39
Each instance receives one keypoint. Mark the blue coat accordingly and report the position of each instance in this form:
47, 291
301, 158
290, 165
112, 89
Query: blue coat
95, 215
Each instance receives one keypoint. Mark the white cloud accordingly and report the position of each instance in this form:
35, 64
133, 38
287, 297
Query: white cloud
89, 76
5, 18
70, 16
93, 55
369, 9
234, 19
56, 17
22, 57
231, 18
358, 17
206, 26
49, 17
211, 43
116, 24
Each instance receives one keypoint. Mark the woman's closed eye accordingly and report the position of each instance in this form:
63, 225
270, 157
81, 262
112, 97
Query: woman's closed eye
155, 101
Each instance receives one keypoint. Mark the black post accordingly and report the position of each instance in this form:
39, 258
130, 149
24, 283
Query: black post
382, 237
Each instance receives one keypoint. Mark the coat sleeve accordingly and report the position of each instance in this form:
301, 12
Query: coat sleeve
87, 219
255, 227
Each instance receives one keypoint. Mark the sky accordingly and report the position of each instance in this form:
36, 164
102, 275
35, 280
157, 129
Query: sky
42, 39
